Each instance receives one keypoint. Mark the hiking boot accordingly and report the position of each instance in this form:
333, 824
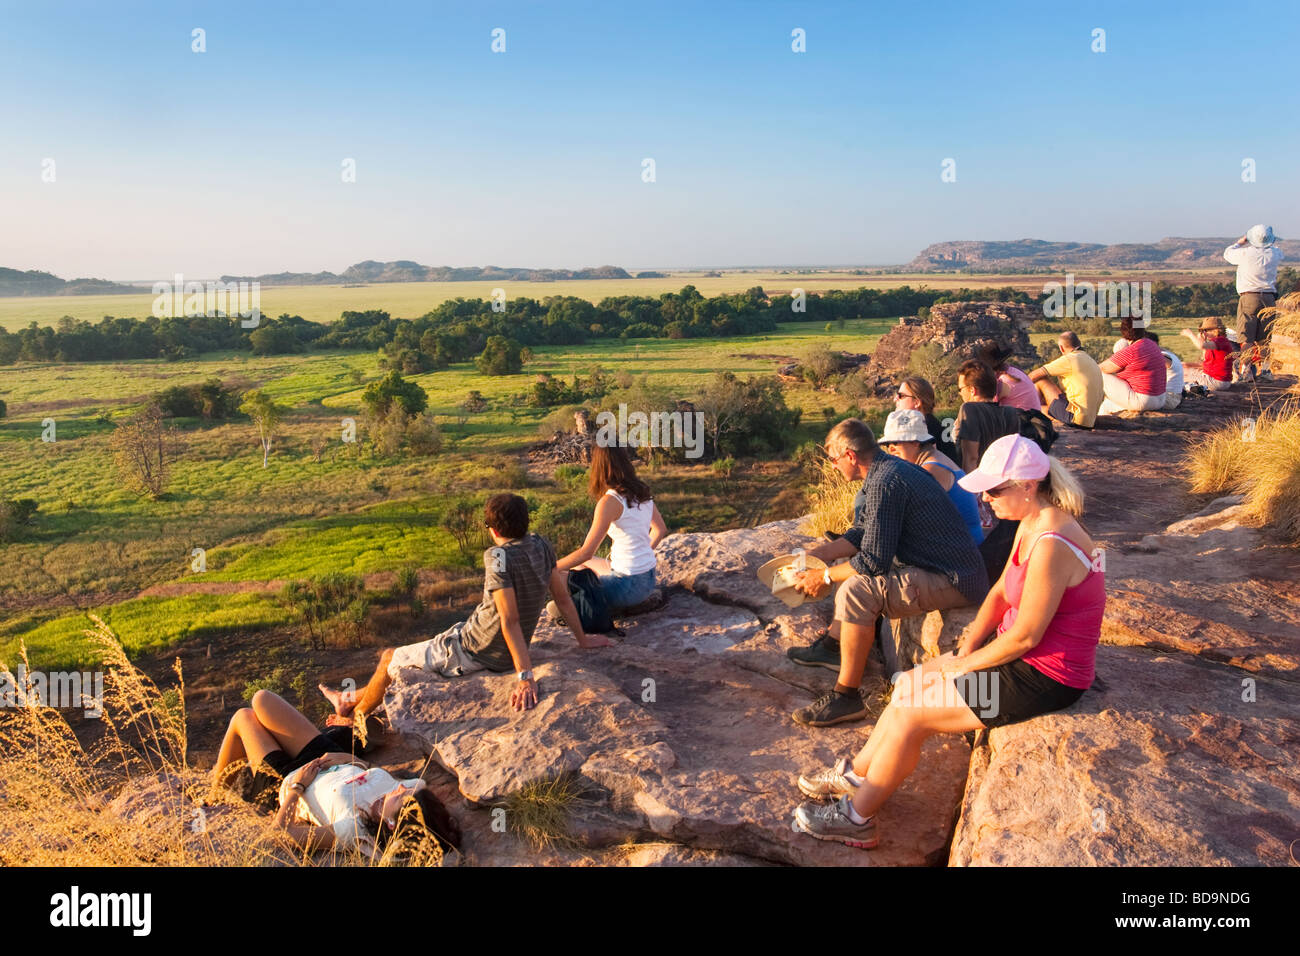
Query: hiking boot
823, 652
832, 822
554, 613
829, 784
831, 708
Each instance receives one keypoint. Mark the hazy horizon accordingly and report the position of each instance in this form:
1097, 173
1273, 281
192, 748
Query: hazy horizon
229, 161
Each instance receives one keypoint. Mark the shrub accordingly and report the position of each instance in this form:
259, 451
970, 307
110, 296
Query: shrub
463, 520
571, 477
15, 515
210, 400
939, 369
408, 578
332, 606
423, 437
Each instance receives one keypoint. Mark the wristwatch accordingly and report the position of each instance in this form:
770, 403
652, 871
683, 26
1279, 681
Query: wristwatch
826, 576
526, 675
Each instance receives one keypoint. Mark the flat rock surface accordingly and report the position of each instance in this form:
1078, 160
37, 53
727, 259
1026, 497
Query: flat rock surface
679, 736
1162, 764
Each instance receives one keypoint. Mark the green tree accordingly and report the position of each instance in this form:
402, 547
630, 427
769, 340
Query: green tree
379, 396
500, 356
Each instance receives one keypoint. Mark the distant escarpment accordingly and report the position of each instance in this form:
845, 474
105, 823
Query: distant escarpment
404, 270
1026, 255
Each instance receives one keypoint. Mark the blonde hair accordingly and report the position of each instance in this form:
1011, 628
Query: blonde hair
1062, 488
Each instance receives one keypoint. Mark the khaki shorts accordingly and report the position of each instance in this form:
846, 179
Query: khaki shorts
903, 592
443, 654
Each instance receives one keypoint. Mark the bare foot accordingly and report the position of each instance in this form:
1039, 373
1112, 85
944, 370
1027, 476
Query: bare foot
343, 701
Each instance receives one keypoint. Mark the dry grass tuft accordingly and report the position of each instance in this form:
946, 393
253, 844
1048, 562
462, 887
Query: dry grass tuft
830, 501
130, 798
1286, 315
538, 812
1259, 458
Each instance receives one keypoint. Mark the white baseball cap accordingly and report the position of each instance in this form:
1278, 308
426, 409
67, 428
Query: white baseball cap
1010, 458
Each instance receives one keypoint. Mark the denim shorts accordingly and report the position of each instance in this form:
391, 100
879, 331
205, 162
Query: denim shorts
627, 590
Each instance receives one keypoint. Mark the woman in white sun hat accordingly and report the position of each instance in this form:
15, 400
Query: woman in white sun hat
1030, 650
907, 436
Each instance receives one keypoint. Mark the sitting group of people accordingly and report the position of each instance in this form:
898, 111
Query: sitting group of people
1140, 376
977, 515
913, 546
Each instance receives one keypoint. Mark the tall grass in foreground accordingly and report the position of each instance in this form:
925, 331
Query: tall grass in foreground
129, 798
830, 500
1258, 458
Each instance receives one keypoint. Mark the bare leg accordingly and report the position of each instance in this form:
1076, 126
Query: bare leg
291, 730
855, 644
373, 695
1048, 391
246, 739
897, 754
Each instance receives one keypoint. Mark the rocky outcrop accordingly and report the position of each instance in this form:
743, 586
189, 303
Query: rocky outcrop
958, 328
681, 733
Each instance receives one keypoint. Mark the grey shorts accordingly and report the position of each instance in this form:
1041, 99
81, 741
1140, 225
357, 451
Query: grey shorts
443, 654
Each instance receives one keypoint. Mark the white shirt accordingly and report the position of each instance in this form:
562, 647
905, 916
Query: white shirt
629, 534
1256, 267
1173, 380
339, 794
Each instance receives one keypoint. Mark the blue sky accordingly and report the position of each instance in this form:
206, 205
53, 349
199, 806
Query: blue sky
229, 161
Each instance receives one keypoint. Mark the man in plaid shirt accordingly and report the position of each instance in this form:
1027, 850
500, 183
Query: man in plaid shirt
909, 552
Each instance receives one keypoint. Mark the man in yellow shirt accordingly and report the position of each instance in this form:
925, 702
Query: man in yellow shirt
1079, 395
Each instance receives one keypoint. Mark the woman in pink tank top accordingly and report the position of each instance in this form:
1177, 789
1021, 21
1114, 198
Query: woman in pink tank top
1031, 649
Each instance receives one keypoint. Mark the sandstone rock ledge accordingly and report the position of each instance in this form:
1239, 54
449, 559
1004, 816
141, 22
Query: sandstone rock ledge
682, 732
1183, 752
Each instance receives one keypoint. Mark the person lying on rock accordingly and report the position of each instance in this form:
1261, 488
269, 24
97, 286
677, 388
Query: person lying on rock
329, 799
909, 553
519, 572
1075, 397
625, 512
1047, 610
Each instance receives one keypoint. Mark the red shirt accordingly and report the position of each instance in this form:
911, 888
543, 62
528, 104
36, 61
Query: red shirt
1142, 366
1218, 361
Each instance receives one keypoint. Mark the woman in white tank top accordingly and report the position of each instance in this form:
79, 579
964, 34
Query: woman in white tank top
628, 515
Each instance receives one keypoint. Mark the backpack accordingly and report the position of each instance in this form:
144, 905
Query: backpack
1038, 428
589, 599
